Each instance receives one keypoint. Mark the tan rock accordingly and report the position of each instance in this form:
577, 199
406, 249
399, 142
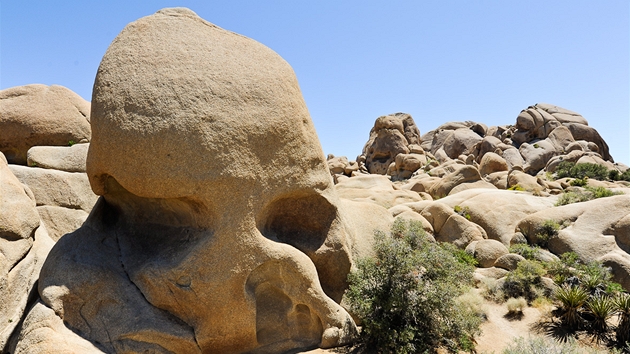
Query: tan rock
498, 212
375, 189
594, 232
36, 115
63, 158
225, 209
24, 245
491, 163
481, 184
524, 181
57, 188
390, 136
44, 332
407, 164
498, 179
462, 174
513, 158
561, 138
509, 261
488, 251
460, 141
536, 155
583, 132
60, 221
450, 226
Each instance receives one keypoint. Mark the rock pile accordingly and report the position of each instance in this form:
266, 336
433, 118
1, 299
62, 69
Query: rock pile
215, 222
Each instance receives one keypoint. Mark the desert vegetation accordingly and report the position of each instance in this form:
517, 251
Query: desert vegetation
407, 294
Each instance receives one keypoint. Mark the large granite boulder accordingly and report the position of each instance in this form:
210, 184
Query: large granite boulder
35, 115
390, 136
24, 245
595, 230
218, 228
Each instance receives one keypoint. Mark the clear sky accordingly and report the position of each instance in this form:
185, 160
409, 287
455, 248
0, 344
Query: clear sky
440, 60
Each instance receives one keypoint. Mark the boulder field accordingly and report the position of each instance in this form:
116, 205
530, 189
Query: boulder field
189, 208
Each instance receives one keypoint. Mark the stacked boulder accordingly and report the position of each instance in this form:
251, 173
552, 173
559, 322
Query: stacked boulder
45, 133
393, 148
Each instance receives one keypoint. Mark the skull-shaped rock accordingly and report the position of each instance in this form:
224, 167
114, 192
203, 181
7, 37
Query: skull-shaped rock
218, 229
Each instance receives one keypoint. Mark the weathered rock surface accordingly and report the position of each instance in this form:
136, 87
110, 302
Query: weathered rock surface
487, 252
595, 232
63, 158
376, 189
57, 188
498, 212
24, 245
390, 136
60, 221
224, 210
37, 115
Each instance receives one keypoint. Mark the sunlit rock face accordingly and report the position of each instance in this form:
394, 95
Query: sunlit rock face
218, 228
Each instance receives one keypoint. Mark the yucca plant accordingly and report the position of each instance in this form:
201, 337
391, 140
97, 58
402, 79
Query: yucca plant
571, 299
601, 308
622, 308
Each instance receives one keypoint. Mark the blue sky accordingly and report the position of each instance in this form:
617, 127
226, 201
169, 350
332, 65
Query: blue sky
439, 61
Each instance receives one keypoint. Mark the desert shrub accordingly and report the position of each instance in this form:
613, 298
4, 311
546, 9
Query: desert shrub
516, 305
601, 192
525, 280
589, 193
546, 231
622, 308
594, 277
525, 250
405, 294
572, 197
571, 299
625, 176
614, 175
516, 187
579, 182
461, 255
564, 268
600, 308
472, 301
463, 211
547, 346
491, 290
581, 170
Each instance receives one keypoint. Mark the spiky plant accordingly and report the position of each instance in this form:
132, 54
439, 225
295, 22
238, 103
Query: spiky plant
622, 308
571, 300
601, 308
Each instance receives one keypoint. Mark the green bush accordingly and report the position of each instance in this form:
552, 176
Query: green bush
516, 187
601, 192
546, 231
579, 182
461, 255
615, 175
589, 193
571, 299
525, 280
622, 309
525, 250
563, 268
516, 305
601, 308
405, 294
581, 170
